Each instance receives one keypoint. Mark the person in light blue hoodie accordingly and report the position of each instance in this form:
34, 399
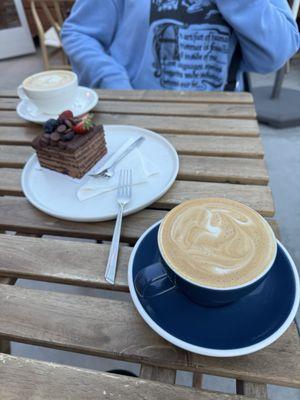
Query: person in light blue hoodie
177, 44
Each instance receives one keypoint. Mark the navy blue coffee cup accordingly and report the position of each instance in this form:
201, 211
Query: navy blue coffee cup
159, 278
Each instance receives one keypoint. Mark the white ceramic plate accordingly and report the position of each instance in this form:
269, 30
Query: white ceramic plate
85, 102
55, 194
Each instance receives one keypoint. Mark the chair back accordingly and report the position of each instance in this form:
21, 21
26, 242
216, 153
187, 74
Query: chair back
49, 16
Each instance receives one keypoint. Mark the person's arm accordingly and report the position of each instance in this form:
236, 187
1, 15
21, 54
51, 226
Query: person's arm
86, 36
265, 29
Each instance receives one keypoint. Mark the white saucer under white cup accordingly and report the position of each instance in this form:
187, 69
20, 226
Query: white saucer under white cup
84, 101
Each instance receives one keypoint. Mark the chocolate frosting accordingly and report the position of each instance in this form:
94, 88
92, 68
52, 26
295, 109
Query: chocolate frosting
79, 140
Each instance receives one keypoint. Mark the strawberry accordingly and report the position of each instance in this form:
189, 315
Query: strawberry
84, 125
66, 115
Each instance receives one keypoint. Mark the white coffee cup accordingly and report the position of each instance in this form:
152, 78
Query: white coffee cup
51, 91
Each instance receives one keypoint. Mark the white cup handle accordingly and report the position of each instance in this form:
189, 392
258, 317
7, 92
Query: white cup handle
21, 93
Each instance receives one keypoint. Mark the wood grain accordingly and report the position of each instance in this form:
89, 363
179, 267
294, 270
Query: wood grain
197, 380
226, 146
26, 379
158, 374
258, 197
223, 169
8, 93
104, 327
195, 168
17, 214
163, 124
63, 261
18, 135
14, 156
164, 95
176, 96
256, 390
215, 110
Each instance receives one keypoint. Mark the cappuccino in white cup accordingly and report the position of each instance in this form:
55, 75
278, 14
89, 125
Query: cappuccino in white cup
51, 91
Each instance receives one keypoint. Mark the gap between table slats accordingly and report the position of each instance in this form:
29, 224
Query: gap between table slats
113, 329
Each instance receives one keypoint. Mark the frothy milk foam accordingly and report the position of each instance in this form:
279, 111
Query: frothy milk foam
216, 242
48, 80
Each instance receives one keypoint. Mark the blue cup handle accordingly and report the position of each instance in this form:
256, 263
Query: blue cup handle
153, 281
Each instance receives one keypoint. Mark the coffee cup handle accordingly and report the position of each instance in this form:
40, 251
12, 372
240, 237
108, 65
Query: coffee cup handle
153, 281
21, 93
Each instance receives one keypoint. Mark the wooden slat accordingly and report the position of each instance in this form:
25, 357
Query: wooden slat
163, 124
257, 390
60, 261
17, 214
194, 168
226, 146
8, 93
20, 216
26, 379
63, 261
197, 380
10, 184
158, 374
104, 327
18, 135
14, 156
184, 125
164, 95
223, 169
9, 103
176, 96
240, 111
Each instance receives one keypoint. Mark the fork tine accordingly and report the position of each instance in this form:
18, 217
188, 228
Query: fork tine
130, 183
120, 182
126, 187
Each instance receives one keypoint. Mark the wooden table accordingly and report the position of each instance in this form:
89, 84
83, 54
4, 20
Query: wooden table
221, 154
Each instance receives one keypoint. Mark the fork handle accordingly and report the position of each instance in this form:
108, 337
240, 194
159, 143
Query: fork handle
111, 266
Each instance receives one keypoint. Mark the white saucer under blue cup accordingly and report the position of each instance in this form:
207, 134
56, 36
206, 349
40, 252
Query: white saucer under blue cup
242, 327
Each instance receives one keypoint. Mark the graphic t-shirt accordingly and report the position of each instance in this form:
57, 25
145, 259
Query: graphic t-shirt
190, 43
175, 44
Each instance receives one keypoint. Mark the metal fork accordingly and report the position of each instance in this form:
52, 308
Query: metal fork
123, 198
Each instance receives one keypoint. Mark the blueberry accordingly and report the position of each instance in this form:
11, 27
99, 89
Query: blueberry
50, 125
68, 136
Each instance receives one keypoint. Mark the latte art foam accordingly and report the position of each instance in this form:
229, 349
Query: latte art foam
48, 80
216, 242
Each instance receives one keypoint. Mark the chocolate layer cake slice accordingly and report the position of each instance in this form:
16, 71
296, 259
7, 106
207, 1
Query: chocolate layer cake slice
70, 146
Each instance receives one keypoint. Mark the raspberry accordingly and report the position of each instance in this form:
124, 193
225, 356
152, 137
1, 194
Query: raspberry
66, 115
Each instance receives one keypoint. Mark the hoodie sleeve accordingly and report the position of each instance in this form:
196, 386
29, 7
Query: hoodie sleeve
86, 36
265, 29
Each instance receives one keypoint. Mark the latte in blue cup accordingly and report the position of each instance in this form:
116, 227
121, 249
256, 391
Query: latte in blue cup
214, 250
